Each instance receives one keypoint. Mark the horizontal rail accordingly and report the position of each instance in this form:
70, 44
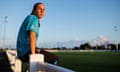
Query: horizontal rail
47, 67
36, 64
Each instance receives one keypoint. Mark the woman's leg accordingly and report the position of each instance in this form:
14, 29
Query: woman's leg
25, 62
50, 57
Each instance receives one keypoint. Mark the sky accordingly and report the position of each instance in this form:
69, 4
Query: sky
64, 20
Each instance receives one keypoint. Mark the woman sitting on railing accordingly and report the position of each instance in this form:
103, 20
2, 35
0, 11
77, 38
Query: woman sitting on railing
28, 35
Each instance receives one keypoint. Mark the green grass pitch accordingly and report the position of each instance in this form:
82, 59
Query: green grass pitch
91, 61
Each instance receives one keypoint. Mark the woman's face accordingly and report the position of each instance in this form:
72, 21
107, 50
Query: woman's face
39, 11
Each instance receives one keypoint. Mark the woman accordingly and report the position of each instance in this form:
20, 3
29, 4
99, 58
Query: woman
28, 35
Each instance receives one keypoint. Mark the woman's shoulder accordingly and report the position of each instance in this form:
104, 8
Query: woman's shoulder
32, 17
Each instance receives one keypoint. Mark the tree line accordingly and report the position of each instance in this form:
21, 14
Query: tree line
87, 46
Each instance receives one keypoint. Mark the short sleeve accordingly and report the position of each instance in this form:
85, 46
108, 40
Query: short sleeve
32, 24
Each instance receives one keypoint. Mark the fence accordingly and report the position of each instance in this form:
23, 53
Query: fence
37, 64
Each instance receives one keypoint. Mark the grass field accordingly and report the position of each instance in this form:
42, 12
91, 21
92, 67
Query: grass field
91, 61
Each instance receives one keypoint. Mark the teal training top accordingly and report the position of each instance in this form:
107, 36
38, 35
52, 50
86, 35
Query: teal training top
31, 23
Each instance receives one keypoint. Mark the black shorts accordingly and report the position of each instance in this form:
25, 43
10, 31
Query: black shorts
48, 57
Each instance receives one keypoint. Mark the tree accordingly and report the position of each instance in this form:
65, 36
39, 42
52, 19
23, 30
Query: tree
85, 46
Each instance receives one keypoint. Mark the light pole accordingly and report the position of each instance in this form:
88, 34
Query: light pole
116, 29
4, 37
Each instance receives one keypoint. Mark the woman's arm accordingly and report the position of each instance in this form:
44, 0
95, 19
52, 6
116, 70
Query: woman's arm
32, 37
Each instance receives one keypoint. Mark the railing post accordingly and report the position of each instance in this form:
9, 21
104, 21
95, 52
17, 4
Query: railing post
35, 59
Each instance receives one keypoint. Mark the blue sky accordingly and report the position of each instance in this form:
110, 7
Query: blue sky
64, 20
